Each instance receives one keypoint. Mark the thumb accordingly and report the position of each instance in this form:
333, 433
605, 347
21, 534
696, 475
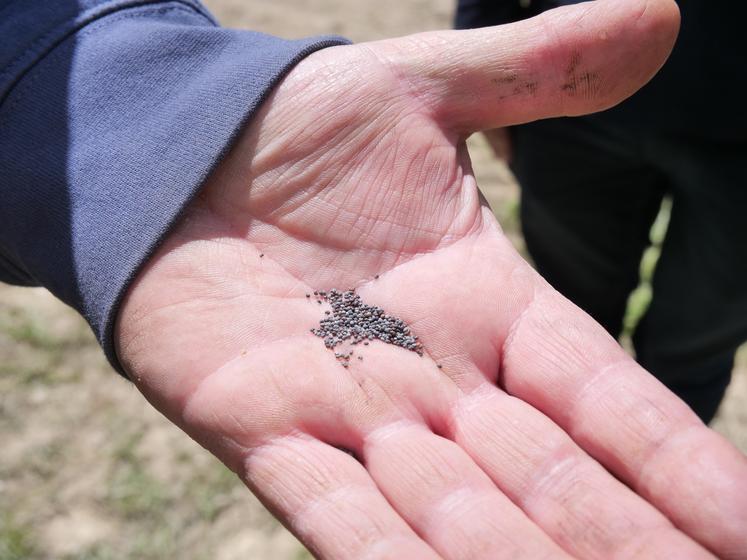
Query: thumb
571, 60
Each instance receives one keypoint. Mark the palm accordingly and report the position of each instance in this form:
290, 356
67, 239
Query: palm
363, 185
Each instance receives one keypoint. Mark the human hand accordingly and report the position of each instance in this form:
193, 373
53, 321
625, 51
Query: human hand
355, 174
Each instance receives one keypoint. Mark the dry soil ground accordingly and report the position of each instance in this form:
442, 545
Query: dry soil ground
87, 469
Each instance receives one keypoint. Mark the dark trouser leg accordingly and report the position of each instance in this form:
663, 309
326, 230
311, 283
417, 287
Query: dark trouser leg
588, 201
698, 316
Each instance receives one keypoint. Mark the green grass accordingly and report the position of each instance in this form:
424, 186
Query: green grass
133, 492
142, 501
640, 299
26, 328
96, 552
16, 540
211, 490
35, 353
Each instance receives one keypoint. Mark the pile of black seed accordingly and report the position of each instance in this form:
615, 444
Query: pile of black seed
354, 321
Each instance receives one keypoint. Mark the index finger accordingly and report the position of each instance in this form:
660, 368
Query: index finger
563, 363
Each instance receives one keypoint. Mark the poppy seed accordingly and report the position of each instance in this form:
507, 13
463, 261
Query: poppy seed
352, 320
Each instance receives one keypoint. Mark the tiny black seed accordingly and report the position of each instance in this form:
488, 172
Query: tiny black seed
352, 320
261, 255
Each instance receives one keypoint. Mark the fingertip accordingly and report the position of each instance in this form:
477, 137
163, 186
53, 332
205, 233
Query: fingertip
634, 40
659, 21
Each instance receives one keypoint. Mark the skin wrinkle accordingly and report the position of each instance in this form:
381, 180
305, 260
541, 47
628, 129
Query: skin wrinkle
583, 14
419, 170
329, 101
280, 189
398, 261
632, 421
511, 334
548, 448
663, 446
471, 402
343, 132
589, 384
642, 13
379, 177
421, 232
341, 247
351, 217
561, 346
186, 399
361, 162
561, 484
380, 195
205, 275
409, 232
392, 197
553, 473
139, 333
453, 503
289, 181
558, 461
365, 538
325, 481
589, 82
402, 75
394, 548
491, 373
382, 433
476, 546
429, 470
405, 414
393, 193
556, 47
453, 482
638, 541
452, 179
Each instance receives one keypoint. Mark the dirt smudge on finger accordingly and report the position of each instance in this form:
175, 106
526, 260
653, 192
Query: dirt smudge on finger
586, 83
506, 78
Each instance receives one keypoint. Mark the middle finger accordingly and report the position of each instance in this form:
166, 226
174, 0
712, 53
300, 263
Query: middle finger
568, 494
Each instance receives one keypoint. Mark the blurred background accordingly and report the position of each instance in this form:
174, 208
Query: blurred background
88, 470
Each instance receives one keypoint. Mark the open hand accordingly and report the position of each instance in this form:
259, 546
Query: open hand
524, 431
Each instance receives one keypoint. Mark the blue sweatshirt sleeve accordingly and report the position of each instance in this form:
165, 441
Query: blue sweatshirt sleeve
112, 115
